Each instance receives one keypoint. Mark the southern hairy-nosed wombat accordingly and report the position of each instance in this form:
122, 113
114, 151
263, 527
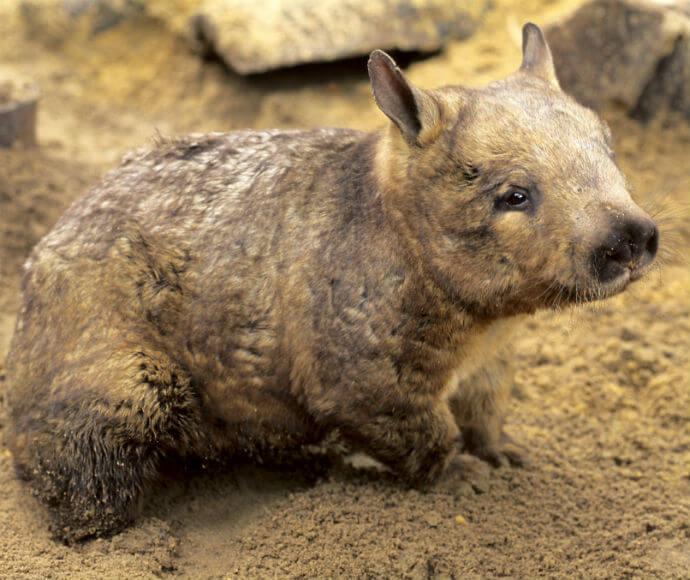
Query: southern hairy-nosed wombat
247, 293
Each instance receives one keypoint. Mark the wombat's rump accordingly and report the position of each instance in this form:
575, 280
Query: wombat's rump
248, 293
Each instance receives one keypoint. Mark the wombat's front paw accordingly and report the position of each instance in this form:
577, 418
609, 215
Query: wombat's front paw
504, 452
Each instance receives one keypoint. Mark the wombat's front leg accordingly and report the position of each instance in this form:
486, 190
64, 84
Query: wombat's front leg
91, 455
479, 407
416, 442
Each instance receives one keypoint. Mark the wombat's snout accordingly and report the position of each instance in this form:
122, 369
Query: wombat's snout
630, 245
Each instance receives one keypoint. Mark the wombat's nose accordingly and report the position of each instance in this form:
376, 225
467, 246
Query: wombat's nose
630, 245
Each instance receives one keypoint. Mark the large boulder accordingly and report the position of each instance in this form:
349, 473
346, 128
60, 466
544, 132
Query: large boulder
254, 37
633, 54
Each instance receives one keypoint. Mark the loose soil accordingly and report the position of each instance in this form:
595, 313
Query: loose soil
602, 393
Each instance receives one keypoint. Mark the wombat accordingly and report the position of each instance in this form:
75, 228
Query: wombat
246, 294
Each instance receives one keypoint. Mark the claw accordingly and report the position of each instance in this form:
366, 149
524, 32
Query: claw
505, 452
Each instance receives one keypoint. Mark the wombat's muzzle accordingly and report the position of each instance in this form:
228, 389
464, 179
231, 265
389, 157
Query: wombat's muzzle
629, 246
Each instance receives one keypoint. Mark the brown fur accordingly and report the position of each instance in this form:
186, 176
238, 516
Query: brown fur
248, 293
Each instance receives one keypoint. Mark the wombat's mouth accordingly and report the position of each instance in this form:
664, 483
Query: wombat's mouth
559, 295
615, 286
631, 273
638, 271
600, 290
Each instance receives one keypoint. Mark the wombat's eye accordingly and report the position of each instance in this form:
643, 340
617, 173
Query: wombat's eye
516, 199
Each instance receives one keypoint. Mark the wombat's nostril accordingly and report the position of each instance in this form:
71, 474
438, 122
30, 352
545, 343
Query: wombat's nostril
629, 245
652, 242
643, 238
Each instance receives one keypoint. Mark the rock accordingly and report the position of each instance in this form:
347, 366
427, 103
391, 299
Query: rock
634, 54
18, 104
629, 333
253, 37
647, 358
55, 21
433, 519
670, 86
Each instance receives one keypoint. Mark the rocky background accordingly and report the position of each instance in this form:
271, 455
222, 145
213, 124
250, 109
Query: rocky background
602, 393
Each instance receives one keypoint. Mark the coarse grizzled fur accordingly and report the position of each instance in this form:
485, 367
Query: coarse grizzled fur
248, 293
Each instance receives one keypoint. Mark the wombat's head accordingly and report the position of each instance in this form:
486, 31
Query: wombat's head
509, 195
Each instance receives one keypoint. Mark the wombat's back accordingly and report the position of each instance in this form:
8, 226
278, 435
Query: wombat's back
210, 190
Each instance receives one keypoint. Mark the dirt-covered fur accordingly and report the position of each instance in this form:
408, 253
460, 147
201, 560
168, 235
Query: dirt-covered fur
249, 293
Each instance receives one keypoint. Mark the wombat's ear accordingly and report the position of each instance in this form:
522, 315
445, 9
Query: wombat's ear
536, 56
411, 109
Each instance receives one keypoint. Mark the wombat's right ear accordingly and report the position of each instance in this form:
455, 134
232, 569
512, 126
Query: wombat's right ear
536, 56
411, 109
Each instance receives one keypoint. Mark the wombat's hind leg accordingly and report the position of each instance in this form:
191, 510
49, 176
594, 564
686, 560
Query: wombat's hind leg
92, 482
93, 452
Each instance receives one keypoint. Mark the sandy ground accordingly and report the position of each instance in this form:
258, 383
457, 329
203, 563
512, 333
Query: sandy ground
602, 394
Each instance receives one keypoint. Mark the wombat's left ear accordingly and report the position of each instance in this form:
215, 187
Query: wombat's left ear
536, 56
414, 112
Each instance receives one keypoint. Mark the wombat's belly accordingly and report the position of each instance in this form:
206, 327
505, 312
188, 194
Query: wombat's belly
230, 337
243, 380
